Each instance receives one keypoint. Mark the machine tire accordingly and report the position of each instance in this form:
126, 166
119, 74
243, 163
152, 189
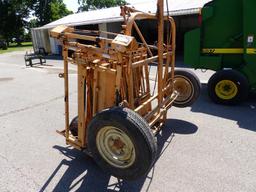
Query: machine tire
235, 83
73, 127
122, 143
188, 85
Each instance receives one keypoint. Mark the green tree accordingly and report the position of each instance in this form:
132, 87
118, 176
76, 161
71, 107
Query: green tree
13, 14
59, 10
49, 10
86, 5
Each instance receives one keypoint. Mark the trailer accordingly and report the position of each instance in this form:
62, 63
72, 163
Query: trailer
119, 114
226, 43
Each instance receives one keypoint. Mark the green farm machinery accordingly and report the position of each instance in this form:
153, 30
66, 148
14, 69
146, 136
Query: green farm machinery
226, 43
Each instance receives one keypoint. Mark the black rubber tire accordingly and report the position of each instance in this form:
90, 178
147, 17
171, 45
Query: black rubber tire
195, 84
236, 77
73, 127
137, 129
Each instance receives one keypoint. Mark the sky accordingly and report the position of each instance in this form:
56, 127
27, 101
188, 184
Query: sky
73, 5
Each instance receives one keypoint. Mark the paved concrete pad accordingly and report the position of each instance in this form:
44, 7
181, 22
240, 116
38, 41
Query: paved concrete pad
205, 147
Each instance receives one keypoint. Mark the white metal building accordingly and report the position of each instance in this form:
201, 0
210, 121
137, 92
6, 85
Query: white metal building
110, 19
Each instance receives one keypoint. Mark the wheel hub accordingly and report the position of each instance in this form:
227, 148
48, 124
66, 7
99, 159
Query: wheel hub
226, 89
184, 88
115, 147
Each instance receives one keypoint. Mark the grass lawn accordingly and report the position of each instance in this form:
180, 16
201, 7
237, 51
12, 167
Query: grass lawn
13, 47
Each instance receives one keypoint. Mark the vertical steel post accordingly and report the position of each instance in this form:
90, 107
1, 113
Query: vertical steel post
65, 58
160, 16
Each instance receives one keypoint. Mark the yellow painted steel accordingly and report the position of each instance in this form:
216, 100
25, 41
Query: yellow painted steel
223, 51
249, 51
226, 89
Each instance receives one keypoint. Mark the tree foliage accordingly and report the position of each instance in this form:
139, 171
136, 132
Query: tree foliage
86, 5
15, 15
59, 10
12, 17
49, 10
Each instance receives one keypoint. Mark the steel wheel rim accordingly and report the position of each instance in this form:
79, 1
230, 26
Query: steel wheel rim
226, 89
184, 87
115, 146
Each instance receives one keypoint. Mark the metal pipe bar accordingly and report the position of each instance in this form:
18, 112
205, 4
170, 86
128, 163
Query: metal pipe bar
162, 105
150, 100
142, 38
145, 103
66, 88
145, 61
160, 17
86, 37
154, 121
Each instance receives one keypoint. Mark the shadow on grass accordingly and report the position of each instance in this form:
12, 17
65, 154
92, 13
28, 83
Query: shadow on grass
82, 174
